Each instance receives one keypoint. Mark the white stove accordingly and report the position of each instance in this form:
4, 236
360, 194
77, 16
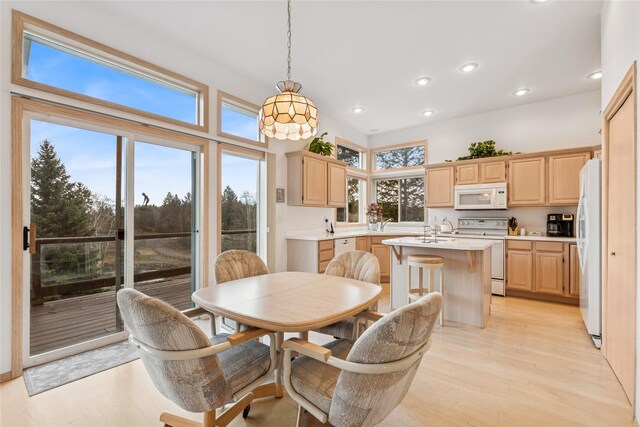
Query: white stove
494, 229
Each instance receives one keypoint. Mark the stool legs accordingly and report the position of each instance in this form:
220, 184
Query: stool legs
442, 292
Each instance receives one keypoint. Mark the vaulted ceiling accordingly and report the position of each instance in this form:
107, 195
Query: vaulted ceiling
369, 53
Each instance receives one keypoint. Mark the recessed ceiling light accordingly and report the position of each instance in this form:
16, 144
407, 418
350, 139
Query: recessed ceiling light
521, 92
357, 110
595, 76
538, 1
467, 68
423, 81
427, 113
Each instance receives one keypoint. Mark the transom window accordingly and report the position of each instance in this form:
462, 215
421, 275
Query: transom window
400, 157
401, 199
356, 202
57, 61
352, 154
238, 120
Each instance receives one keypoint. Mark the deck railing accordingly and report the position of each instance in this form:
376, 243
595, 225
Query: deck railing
40, 292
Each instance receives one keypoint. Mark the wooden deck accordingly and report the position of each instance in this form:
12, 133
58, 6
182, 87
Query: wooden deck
58, 324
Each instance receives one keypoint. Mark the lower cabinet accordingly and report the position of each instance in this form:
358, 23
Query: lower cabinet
361, 244
541, 268
520, 270
382, 252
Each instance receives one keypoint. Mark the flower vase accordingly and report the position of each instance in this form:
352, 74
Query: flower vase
373, 224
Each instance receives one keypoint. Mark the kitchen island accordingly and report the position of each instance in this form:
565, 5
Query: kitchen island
467, 277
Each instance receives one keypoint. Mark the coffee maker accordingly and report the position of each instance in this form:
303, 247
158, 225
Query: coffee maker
560, 225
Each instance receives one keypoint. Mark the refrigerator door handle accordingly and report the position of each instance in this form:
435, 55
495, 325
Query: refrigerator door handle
582, 234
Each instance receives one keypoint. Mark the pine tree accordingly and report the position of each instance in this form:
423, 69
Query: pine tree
60, 208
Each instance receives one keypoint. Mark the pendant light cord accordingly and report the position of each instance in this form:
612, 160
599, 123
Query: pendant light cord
289, 39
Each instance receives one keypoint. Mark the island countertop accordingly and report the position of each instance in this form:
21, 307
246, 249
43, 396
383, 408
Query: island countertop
454, 243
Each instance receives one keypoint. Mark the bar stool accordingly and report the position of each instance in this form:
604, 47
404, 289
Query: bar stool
426, 262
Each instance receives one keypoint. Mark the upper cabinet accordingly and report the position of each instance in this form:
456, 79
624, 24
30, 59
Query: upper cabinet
494, 171
467, 174
527, 182
564, 177
315, 180
337, 185
439, 185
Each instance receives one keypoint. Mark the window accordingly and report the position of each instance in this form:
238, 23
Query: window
241, 196
401, 199
400, 157
71, 65
238, 120
352, 154
356, 202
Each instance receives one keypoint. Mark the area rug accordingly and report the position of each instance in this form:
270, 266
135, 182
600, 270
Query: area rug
60, 372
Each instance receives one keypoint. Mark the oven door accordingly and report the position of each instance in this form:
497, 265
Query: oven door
475, 199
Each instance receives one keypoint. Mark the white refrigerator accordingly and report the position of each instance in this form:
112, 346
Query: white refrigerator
589, 248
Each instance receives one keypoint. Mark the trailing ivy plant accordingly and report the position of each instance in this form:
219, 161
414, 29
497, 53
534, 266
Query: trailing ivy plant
479, 150
320, 146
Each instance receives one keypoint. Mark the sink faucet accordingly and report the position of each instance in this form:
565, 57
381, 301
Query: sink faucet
383, 223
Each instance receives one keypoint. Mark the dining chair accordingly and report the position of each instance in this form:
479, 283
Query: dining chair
358, 265
359, 384
196, 373
233, 265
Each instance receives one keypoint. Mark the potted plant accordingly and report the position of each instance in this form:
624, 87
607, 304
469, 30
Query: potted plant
320, 146
480, 150
374, 213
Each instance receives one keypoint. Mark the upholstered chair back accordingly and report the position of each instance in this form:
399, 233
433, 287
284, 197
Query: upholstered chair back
236, 264
358, 265
366, 399
196, 385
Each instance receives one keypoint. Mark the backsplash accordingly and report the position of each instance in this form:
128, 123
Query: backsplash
531, 218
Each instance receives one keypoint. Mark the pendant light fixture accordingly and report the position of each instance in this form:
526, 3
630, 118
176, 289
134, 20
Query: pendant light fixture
288, 115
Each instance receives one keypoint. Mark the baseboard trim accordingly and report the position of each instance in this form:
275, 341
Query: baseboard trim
543, 297
6, 376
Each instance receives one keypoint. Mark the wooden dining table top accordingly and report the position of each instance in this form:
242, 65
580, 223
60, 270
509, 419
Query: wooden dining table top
288, 301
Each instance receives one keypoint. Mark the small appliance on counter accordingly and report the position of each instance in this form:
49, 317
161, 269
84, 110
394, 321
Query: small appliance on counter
560, 225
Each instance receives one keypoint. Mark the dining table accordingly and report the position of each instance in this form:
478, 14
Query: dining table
287, 302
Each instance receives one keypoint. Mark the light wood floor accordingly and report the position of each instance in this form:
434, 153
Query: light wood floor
533, 365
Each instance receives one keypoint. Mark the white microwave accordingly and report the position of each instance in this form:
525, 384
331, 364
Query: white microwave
481, 196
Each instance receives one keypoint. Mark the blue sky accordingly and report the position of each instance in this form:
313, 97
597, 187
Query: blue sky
90, 157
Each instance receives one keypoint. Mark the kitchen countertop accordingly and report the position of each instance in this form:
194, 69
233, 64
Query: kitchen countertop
543, 238
347, 234
454, 243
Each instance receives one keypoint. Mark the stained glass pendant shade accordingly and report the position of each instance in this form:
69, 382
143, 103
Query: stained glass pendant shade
288, 115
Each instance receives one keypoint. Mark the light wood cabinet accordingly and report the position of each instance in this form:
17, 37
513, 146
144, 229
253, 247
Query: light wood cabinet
519, 270
439, 183
337, 187
549, 273
467, 174
314, 180
564, 177
543, 270
574, 271
382, 252
493, 172
361, 244
527, 181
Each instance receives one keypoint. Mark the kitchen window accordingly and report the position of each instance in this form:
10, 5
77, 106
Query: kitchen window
403, 156
53, 60
352, 154
238, 120
356, 202
401, 199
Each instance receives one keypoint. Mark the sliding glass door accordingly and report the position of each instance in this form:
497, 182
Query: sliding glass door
108, 209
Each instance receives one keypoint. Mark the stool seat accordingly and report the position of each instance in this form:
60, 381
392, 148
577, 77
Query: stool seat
429, 263
425, 260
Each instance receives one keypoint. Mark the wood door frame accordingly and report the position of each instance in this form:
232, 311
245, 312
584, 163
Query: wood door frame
21, 106
626, 90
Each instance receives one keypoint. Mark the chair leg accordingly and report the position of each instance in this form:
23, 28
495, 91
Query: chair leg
442, 292
173, 420
300, 418
209, 419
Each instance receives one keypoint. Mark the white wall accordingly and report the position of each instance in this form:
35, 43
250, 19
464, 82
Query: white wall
91, 20
620, 38
571, 121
